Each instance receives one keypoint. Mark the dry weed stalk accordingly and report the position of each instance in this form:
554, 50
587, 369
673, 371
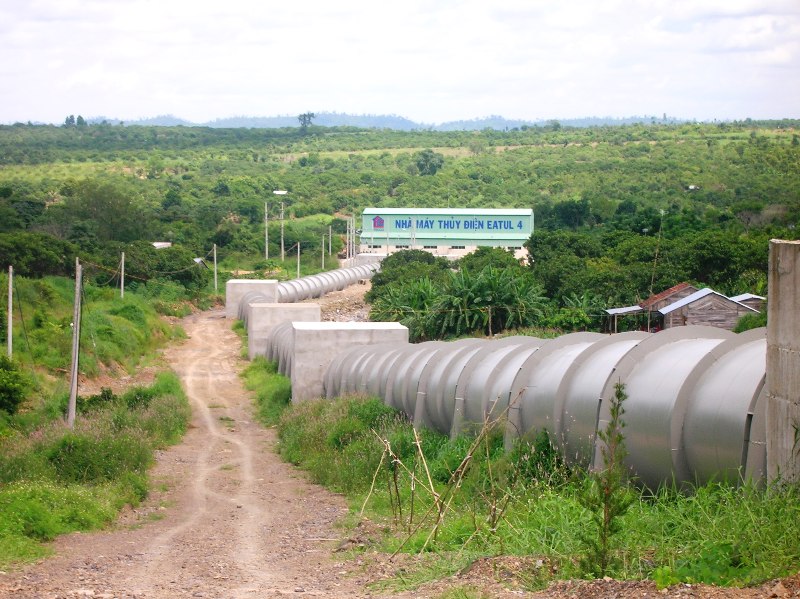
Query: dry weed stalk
442, 502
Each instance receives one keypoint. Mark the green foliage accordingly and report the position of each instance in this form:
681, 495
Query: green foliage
660, 185
54, 480
81, 458
114, 332
428, 162
717, 564
463, 303
14, 385
273, 391
403, 267
36, 254
488, 256
751, 321
334, 441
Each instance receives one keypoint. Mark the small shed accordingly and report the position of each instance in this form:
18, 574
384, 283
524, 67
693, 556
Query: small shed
757, 302
705, 307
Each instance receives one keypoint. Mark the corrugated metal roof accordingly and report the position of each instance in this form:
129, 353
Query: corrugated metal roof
746, 296
699, 295
451, 211
625, 310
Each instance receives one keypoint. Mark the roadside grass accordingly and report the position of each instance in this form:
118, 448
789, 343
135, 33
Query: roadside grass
54, 480
272, 390
526, 502
114, 332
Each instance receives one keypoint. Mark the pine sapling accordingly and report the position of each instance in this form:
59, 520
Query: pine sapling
607, 495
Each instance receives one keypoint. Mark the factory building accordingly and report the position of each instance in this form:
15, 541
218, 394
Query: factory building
443, 231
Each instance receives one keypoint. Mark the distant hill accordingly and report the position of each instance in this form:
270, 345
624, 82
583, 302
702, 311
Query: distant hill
382, 121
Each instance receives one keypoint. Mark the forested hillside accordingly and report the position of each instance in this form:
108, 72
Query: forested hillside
619, 211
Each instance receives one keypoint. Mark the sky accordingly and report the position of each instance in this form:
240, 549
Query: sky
430, 61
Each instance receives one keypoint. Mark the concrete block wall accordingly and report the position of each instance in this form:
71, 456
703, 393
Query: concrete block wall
783, 362
316, 344
265, 316
236, 288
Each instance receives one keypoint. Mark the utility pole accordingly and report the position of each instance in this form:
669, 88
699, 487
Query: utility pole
122, 277
9, 322
298, 259
266, 231
330, 239
283, 257
215, 268
76, 339
322, 251
277, 192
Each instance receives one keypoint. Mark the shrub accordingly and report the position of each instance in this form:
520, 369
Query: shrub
82, 458
13, 386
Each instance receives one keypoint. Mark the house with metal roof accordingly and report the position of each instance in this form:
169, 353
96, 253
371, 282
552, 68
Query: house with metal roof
705, 307
684, 304
450, 232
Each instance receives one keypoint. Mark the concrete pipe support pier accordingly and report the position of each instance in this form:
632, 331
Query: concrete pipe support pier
235, 289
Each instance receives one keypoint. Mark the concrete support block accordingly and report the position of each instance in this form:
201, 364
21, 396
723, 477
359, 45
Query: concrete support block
264, 316
316, 344
236, 288
783, 362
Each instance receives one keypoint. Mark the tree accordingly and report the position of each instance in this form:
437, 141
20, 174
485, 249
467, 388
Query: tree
305, 119
80, 122
428, 162
112, 209
69, 121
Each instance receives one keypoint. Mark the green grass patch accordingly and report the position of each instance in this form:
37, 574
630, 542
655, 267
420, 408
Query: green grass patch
273, 391
54, 480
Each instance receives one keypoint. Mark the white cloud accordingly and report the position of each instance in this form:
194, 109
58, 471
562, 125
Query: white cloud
432, 61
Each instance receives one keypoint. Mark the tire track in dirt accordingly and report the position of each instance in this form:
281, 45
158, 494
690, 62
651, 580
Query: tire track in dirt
227, 518
222, 475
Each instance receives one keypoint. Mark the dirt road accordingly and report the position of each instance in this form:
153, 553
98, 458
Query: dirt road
230, 520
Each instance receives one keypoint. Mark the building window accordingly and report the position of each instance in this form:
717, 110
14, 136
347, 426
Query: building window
514, 248
458, 247
429, 247
401, 247
375, 247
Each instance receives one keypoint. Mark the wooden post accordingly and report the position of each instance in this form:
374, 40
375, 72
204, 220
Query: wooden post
76, 339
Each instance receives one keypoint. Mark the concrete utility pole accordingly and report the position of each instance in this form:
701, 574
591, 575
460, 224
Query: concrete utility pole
122, 276
277, 192
266, 231
783, 362
76, 340
283, 257
298, 259
322, 251
330, 239
215, 268
10, 321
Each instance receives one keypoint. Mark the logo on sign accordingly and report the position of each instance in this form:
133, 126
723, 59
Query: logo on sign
377, 223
